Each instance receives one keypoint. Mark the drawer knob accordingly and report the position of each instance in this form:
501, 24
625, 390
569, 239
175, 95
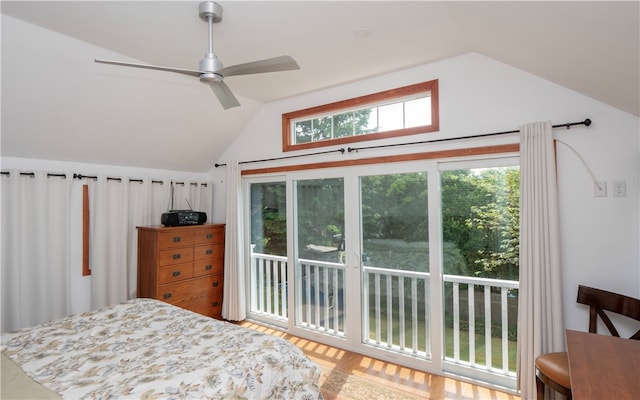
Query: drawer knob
209, 251
208, 267
209, 235
176, 273
214, 284
214, 304
167, 296
176, 256
176, 239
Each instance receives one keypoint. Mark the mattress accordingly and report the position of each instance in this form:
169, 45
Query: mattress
146, 348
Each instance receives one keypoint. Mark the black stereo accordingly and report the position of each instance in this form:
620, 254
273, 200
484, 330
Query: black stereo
183, 217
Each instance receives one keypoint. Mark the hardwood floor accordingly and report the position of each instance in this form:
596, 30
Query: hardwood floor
423, 384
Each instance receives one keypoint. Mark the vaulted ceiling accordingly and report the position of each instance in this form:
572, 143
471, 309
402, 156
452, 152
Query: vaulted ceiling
57, 104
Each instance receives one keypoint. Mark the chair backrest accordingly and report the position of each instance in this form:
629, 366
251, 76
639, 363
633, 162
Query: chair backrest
600, 300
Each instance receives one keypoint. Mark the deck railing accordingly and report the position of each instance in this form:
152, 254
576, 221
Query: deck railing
268, 277
321, 296
480, 313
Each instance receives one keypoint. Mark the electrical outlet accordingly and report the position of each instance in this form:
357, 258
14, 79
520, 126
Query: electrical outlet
619, 188
600, 189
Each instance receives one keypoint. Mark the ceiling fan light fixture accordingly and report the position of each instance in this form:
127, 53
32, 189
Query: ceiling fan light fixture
210, 77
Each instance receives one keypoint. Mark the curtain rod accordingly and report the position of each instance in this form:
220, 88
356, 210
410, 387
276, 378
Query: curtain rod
567, 125
341, 150
80, 176
32, 174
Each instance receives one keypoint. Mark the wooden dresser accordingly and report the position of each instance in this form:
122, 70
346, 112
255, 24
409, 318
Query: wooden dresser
183, 266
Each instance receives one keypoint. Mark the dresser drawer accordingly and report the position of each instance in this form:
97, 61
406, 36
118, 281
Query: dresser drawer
210, 235
207, 267
176, 238
206, 305
175, 273
175, 256
185, 291
209, 252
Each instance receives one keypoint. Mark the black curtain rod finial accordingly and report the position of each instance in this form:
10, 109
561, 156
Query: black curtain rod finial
587, 122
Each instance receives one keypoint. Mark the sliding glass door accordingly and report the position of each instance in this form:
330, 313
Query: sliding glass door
414, 263
480, 238
319, 257
268, 274
395, 263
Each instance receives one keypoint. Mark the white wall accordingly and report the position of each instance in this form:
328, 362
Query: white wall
81, 285
600, 236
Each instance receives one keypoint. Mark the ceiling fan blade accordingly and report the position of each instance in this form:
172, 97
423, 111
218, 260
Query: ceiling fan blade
146, 66
224, 95
282, 63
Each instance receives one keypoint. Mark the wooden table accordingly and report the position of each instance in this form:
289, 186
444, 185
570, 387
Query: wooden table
603, 367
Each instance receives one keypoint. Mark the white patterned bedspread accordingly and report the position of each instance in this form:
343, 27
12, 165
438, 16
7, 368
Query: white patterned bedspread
147, 349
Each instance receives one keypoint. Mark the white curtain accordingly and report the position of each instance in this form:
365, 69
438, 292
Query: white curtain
117, 207
147, 201
193, 196
36, 240
540, 323
234, 303
108, 244
35, 248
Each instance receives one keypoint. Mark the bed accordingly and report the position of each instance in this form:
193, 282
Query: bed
148, 349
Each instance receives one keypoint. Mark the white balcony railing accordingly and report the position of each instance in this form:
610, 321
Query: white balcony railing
480, 313
268, 277
486, 313
321, 296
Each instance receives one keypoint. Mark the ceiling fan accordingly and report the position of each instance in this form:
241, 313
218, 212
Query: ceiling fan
211, 70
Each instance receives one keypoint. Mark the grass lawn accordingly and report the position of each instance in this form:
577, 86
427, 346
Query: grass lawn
496, 349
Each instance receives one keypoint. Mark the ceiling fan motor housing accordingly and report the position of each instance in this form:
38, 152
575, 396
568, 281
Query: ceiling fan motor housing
208, 65
210, 9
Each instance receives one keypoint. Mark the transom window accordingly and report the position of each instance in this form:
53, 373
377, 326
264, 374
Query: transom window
403, 111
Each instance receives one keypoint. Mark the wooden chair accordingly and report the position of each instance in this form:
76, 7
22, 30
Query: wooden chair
552, 369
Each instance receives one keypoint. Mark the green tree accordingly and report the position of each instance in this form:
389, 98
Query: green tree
498, 222
269, 218
320, 211
335, 126
481, 216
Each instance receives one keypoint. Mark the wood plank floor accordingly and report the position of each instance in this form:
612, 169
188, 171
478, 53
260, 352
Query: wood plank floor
421, 383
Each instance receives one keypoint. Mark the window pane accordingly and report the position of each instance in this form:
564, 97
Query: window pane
394, 221
268, 267
322, 128
343, 124
391, 117
417, 112
269, 218
366, 121
303, 131
480, 211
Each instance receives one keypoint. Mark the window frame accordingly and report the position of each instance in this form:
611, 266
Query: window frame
359, 102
